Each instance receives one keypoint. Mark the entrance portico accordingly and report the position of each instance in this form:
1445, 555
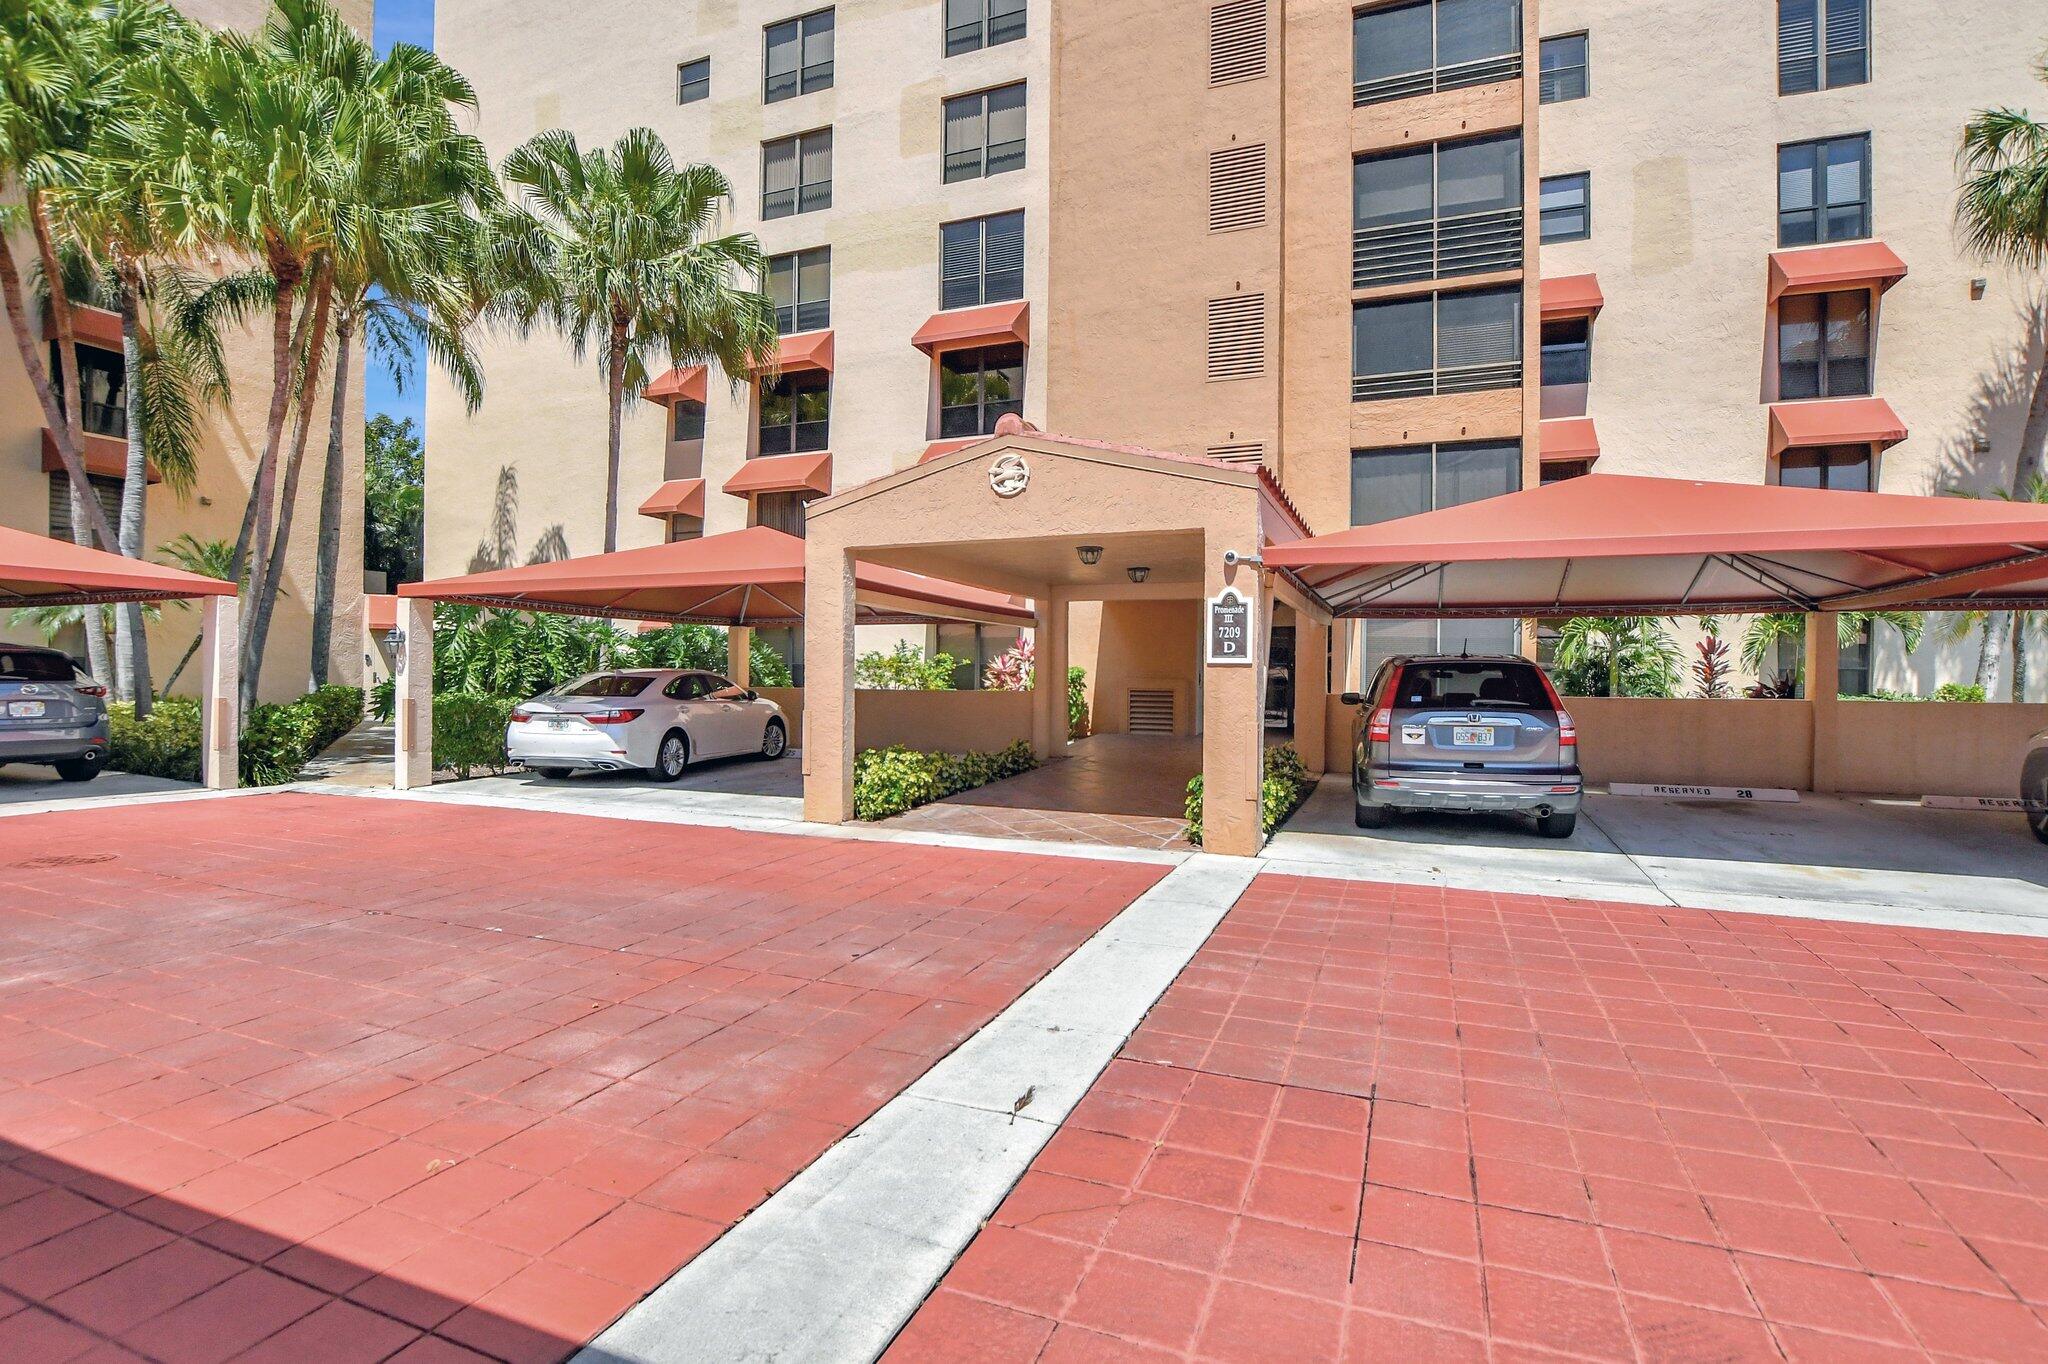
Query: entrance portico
1060, 521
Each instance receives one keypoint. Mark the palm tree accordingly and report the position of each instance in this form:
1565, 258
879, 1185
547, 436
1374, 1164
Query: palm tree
611, 247
211, 558
1992, 627
1629, 655
1764, 633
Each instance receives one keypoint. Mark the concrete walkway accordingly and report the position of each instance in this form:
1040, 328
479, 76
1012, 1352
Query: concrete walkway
361, 757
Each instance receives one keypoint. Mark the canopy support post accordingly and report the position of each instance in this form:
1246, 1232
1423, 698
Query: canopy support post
220, 763
1049, 676
1823, 664
829, 700
1311, 691
412, 671
739, 655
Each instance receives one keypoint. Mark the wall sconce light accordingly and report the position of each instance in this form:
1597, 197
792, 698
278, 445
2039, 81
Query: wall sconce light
1091, 555
1138, 572
394, 639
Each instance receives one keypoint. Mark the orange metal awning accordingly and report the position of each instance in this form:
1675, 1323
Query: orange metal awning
993, 324
1815, 268
1572, 296
1834, 421
36, 570
677, 497
90, 326
103, 455
782, 474
1569, 438
685, 384
380, 611
805, 350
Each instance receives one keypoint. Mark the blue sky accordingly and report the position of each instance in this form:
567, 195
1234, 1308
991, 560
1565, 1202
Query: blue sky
400, 21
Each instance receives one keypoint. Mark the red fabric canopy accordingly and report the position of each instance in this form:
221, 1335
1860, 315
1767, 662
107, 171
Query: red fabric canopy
743, 577
1610, 544
36, 570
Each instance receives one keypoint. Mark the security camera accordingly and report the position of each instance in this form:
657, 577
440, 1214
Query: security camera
1231, 559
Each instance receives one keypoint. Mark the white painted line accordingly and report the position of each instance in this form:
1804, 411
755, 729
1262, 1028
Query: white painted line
834, 1264
2009, 804
1673, 792
86, 802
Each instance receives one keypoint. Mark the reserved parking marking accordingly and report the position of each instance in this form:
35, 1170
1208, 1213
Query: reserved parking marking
2006, 803
1667, 792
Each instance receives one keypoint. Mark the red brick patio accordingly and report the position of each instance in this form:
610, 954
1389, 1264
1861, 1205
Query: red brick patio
1385, 1123
316, 1078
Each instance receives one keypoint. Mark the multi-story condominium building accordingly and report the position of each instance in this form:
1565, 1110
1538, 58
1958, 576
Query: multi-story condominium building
1403, 254
35, 494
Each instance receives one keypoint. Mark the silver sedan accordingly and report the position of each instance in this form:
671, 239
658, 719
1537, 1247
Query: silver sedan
657, 719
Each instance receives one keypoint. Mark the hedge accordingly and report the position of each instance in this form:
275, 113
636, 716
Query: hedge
469, 732
277, 740
1284, 785
888, 781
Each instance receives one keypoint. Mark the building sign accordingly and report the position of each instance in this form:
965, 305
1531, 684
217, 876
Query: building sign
1009, 475
1230, 627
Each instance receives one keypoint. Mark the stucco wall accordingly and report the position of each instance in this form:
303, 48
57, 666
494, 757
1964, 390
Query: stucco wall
930, 721
1146, 644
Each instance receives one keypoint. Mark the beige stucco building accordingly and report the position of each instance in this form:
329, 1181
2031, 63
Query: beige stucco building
33, 489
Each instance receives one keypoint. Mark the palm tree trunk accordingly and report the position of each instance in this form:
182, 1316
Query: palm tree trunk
288, 499
615, 391
1990, 648
254, 550
328, 563
2033, 453
131, 641
183, 659
2019, 656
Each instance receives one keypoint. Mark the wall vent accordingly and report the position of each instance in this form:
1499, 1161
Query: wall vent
1251, 452
1237, 336
1237, 188
1237, 41
1149, 712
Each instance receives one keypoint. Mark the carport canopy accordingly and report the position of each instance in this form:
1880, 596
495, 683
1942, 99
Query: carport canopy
1609, 544
36, 570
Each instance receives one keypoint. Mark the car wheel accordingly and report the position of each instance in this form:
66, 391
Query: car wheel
672, 757
1557, 826
80, 769
774, 740
1370, 816
553, 773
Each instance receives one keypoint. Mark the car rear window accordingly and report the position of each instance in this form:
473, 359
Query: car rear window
1471, 684
35, 667
608, 685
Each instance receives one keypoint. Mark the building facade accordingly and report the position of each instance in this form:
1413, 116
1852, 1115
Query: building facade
34, 492
1403, 254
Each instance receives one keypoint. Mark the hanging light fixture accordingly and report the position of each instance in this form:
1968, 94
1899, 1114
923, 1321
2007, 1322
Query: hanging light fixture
1138, 572
1091, 555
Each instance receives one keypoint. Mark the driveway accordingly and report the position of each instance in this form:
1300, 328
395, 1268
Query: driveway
296, 1077
1886, 860
28, 784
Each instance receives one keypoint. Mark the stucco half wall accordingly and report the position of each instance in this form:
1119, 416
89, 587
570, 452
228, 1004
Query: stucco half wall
936, 721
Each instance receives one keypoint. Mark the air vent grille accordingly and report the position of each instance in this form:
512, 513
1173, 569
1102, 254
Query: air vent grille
1237, 336
1242, 452
1237, 188
1237, 41
1150, 712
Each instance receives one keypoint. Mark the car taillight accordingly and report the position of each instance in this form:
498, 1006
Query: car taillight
1567, 732
613, 717
89, 689
520, 717
1381, 728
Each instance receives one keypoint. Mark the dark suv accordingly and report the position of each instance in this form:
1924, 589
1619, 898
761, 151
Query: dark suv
1464, 733
51, 712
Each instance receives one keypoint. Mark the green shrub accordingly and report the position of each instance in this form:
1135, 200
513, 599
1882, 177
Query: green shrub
1077, 703
277, 740
766, 667
164, 745
1283, 785
336, 710
1958, 691
904, 668
888, 781
469, 732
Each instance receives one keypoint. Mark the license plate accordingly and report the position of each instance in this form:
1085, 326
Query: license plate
25, 709
1472, 736
556, 724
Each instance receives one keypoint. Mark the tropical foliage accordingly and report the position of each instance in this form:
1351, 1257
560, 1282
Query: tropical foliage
1616, 656
905, 668
1764, 634
1016, 669
276, 741
1711, 666
394, 499
1284, 784
888, 781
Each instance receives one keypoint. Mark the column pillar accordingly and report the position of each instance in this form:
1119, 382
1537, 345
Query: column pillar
1049, 677
739, 655
1823, 665
1233, 709
412, 672
829, 704
1311, 692
220, 668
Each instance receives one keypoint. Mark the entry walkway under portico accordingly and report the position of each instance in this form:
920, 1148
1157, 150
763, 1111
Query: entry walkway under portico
1118, 790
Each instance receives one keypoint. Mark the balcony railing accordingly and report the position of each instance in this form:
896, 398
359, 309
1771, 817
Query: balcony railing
1469, 244
1423, 383
1485, 71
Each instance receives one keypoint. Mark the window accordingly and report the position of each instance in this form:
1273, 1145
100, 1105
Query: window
1568, 351
796, 413
1822, 44
978, 386
689, 420
781, 511
103, 386
681, 527
973, 24
1849, 468
1237, 41
107, 490
1566, 205
1562, 69
800, 286
1824, 190
797, 57
985, 133
796, 174
981, 260
615, 686
1824, 345
1425, 45
1852, 663
1452, 208
691, 687
787, 643
1440, 343
693, 81
976, 646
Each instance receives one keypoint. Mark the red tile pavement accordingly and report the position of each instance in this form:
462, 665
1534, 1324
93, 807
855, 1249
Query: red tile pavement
1394, 1123
314, 1078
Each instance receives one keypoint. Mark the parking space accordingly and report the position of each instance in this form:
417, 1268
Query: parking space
29, 784
1887, 860
1377, 1122
320, 1077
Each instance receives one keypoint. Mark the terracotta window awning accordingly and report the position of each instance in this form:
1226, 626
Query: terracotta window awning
992, 324
36, 570
1815, 268
686, 384
939, 448
805, 350
677, 497
380, 612
1834, 421
1572, 296
1569, 438
103, 455
91, 326
782, 474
